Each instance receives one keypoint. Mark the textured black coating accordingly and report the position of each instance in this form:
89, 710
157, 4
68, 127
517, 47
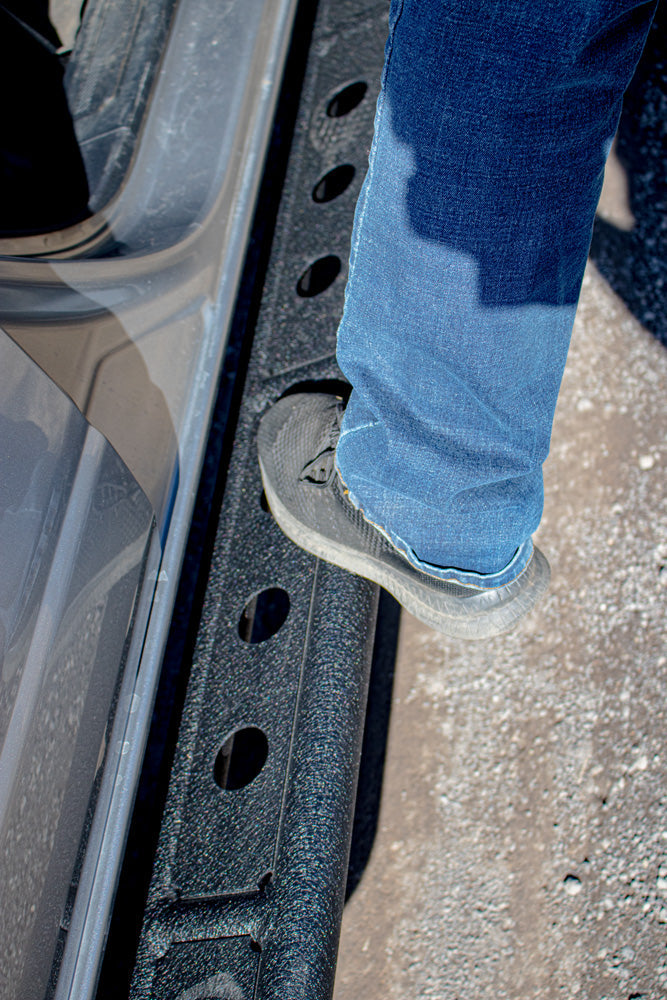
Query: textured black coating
224, 969
298, 958
347, 47
248, 886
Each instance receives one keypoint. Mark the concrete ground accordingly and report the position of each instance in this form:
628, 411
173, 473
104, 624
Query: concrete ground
521, 845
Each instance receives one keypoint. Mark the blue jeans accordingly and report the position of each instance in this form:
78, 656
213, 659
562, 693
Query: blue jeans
469, 246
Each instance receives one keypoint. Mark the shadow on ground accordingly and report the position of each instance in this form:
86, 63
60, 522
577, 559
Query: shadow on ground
635, 262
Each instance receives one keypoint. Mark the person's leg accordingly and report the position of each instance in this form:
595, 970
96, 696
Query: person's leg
468, 252
469, 246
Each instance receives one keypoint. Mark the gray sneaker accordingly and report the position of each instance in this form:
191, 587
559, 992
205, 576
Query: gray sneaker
297, 444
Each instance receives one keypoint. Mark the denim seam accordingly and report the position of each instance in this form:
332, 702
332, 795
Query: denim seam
376, 139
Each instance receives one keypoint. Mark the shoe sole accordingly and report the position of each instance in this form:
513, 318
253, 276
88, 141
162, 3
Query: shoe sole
481, 616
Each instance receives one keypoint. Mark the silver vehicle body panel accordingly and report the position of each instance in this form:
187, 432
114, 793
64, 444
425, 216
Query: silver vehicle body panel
127, 314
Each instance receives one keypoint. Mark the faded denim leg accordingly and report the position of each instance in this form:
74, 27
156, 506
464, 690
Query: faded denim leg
469, 246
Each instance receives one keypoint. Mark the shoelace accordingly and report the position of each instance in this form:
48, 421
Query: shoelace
320, 470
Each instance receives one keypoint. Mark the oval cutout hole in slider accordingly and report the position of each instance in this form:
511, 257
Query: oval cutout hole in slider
240, 758
318, 277
264, 614
333, 183
347, 99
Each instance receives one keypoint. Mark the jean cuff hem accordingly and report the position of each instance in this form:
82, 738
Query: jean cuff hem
469, 578
451, 574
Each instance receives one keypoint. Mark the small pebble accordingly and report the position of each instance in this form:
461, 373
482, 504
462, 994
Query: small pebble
646, 462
